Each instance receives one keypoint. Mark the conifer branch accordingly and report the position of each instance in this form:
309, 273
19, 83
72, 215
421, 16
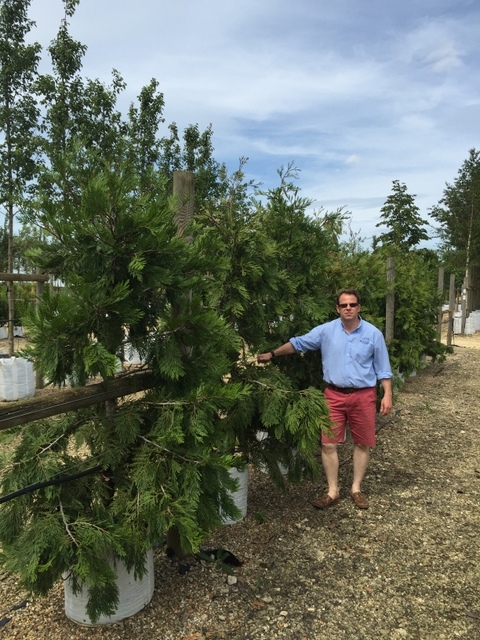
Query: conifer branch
67, 528
175, 455
300, 392
79, 523
49, 446
270, 388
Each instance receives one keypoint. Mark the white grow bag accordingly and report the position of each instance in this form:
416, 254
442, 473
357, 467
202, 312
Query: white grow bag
133, 596
240, 497
17, 379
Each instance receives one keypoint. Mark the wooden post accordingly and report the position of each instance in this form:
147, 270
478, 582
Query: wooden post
39, 288
184, 192
451, 309
441, 280
463, 303
390, 301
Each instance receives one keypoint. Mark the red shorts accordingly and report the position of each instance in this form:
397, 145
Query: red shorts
359, 409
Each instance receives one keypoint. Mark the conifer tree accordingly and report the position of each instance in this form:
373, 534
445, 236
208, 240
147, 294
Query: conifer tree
163, 457
266, 292
400, 215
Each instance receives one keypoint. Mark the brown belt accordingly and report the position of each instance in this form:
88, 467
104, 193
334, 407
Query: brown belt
346, 389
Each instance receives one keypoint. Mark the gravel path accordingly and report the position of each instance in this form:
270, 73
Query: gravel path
408, 567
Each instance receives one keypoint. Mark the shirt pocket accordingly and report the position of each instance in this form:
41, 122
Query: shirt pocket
363, 352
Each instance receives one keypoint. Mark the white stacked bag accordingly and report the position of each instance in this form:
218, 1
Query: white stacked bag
17, 379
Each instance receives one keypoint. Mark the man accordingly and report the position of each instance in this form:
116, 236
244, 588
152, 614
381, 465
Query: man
354, 357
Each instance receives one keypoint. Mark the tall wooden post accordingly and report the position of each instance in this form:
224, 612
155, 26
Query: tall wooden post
441, 280
390, 301
39, 287
451, 309
463, 303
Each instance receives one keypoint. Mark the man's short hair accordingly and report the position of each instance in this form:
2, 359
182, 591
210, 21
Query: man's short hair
349, 292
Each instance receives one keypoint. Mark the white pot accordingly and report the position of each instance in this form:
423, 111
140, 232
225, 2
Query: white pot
240, 496
133, 594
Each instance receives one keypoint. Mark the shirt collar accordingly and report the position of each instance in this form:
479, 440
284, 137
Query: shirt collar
356, 328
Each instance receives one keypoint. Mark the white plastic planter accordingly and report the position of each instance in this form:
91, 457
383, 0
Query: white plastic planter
240, 497
263, 435
476, 319
470, 326
17, 379
134, 595
457, 322
132, 356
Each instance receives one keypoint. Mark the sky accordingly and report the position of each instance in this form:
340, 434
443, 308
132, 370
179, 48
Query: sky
354, 93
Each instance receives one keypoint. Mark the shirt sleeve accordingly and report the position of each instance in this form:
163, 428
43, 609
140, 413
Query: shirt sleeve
381, 361
311, 341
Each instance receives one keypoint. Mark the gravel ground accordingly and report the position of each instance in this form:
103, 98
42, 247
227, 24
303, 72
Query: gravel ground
408, 567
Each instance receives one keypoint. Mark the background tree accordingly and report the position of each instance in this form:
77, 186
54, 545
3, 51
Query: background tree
18, 122
193, 151
400, 215
458, 214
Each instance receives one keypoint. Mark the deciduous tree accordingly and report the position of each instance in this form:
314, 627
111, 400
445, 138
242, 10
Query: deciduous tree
18, 122
458, 214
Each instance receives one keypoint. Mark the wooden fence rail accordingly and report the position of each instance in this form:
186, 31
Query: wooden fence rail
13, 414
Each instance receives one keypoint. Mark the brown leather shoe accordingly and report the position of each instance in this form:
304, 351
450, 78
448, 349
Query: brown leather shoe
360, 500
325, 501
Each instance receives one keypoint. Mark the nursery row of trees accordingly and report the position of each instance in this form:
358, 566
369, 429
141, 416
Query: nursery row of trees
254, 268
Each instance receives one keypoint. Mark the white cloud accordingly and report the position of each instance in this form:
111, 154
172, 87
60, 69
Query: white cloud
435, 46
353, 159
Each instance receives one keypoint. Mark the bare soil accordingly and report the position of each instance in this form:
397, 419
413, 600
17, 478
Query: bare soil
408, 567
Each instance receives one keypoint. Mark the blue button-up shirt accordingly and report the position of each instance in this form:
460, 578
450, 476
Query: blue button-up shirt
357, 359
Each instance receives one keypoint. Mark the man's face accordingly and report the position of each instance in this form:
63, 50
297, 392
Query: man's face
348, 313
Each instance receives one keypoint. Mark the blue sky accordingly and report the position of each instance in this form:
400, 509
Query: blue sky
356, 93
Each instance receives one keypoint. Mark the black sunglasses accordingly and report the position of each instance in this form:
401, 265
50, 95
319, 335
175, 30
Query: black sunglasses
344, 305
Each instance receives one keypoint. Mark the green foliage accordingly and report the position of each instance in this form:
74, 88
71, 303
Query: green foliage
400, 215
416, 312
458, 216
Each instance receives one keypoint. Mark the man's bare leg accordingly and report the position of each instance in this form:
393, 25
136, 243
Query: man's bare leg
330, 466
361, 455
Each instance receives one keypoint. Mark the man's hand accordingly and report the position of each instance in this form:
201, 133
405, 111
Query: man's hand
264, 357
386, 405
387, 401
